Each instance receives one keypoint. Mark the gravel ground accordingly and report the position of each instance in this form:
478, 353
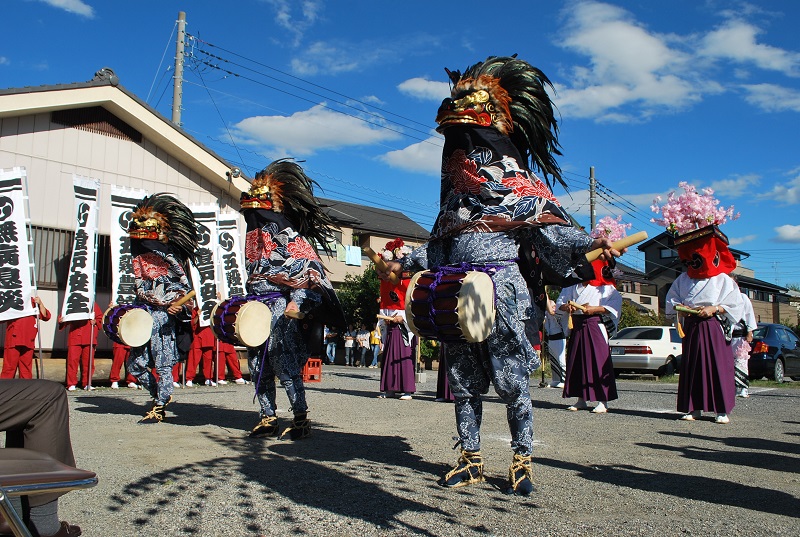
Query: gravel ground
371, 466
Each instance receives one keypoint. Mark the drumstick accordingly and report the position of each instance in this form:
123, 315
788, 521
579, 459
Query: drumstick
380, 263
683, 309
630, 240
295, 314
385, 317
577, 306
185, 298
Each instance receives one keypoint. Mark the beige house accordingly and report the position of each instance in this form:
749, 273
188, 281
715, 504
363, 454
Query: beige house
98, 129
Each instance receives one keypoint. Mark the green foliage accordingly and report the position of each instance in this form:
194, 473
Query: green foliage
631, 317
359, 297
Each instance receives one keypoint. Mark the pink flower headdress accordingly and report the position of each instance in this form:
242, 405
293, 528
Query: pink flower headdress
690, 210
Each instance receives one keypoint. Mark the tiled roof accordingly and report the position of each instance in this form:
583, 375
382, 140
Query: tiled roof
375, 220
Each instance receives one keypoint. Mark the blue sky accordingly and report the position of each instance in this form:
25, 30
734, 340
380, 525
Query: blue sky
649, 93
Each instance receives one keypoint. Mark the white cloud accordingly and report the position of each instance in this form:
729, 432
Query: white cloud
629, 66
787, 193
773, 98
72, 6
740, 185
296, 25
308, 131
788, 233
422, 157
342, 56
736, 40
4, 61
735, 241
427, 90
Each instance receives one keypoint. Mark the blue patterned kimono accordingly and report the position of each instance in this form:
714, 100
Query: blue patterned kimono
283, 266
160, 280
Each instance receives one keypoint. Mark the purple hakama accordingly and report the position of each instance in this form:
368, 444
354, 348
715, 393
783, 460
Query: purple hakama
397, 372
442, 382
590, 372
706, 381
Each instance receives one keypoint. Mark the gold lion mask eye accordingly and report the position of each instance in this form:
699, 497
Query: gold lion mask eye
471, 100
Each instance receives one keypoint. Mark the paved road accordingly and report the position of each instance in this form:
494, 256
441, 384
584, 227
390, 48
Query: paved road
371, 466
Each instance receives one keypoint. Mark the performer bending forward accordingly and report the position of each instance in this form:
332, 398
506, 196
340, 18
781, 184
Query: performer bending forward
163, 239
490, 204
285, 272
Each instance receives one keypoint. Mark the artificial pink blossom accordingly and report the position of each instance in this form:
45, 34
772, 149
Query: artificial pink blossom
690, 210
610, 228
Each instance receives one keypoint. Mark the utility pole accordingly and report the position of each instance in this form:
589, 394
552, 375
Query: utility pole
177, 87
592, 198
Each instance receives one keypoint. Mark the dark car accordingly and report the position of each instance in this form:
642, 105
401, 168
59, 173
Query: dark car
775, 353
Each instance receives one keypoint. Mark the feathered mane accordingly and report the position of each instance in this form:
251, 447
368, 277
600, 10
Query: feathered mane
519, 107
290, 191
169, 220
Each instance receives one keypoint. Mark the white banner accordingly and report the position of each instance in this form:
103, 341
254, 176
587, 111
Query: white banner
231, 259
80, 294
16, 288
204, 270
123, 282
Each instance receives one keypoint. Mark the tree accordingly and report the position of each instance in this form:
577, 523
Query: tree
631, 317
359, 297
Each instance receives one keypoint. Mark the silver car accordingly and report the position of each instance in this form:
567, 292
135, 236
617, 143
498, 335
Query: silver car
646, 349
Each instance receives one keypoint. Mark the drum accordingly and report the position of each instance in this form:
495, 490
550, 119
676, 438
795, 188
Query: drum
128, 324
451, 307
241, 321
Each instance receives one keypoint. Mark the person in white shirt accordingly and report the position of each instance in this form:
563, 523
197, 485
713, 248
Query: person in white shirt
706, 381
740, 344
349, 344
589, 371
556, 333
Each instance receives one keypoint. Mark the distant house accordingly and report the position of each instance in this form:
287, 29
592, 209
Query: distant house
364, 226
662, 266
635, 287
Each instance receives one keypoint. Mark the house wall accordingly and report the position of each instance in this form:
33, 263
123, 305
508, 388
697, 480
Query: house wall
51, 153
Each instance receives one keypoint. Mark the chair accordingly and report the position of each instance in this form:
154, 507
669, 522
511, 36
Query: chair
24, 472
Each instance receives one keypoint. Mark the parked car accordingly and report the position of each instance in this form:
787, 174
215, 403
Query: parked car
775, 353
646, 349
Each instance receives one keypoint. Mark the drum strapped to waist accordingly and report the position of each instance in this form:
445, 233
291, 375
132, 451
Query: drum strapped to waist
128, 324
451, 304
242, 320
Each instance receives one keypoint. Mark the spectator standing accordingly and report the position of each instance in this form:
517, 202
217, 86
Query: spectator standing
349, 344
330, 344
21, 342
81, 345
362, 338
375, 345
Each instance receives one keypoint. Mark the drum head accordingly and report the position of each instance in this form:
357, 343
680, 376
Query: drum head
135, 327
409, 292
253, 323
476, 311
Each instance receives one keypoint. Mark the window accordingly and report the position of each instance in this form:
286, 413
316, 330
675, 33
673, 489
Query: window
673, 336
667, 253
52, 249
645, 300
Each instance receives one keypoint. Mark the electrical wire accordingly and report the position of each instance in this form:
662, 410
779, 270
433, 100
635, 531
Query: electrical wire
169, 42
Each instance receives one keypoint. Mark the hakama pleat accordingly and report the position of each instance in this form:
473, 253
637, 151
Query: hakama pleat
706, 381
397, 373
